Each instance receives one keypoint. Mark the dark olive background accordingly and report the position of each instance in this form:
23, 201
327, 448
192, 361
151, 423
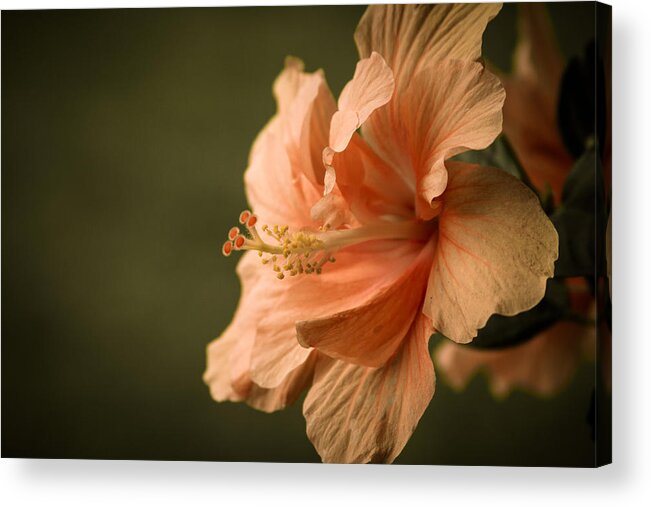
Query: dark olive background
125, 134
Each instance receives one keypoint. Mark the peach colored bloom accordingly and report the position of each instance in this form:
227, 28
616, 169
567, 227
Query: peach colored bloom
532, 92
546, 363
420, 243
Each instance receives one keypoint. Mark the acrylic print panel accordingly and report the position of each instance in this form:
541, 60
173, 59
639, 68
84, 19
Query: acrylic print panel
303, 234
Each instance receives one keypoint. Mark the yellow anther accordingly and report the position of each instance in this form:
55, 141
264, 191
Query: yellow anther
300, 251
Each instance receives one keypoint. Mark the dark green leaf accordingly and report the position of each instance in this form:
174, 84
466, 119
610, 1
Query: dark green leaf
576, 249
501, 331
576, 219
579, 105
580, 185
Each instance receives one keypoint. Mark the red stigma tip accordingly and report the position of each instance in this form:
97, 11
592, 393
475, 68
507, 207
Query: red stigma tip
252, 221
227, 248
233, 233
244, 216
239, 242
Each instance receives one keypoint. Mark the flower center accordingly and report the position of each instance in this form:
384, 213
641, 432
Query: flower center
291, 253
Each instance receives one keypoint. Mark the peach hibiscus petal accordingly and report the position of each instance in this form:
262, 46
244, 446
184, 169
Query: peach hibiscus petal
285, 162
370, 334
218, 372
225, 388
331, 210
356, 278
371, 87
228, 373
467, 103
496, 249
342, 128
305, 106
447, 108
264, 188
288, 83
532, 91
369, 187
383, 192
308, 121
227, 356
276, 351
450, 107
410, 37
270, 400
543, 365
357, 414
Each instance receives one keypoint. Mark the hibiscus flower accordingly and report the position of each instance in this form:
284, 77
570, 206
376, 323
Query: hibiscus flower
546, 363
360, 245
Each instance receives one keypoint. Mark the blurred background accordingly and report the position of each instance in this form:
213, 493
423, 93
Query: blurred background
125, 134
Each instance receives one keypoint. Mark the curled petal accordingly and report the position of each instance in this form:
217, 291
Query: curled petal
371, 87
450, 107
496, 249
444, 101
357, 414
370, 334
342, 128
410, 37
